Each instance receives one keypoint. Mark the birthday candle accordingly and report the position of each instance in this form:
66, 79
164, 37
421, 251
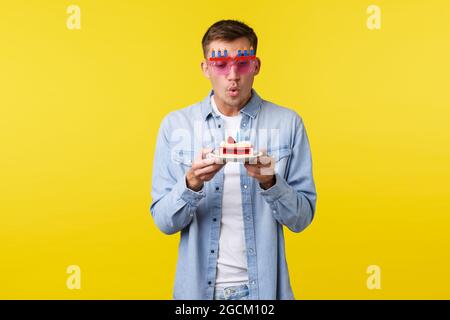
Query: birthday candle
226, 53
213, 54
219, 53
252, 52
245, 53
239, 53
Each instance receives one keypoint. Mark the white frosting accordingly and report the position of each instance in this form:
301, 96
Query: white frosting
234, 145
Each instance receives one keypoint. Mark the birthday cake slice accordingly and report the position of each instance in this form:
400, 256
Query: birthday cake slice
233, 148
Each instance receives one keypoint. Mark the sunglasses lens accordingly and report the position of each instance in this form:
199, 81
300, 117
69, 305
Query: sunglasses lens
243, 66
224, 67
221, 67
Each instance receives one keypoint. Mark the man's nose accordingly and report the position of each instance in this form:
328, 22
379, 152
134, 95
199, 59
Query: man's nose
233, 74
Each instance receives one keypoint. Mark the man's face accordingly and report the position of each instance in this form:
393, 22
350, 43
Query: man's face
232, 89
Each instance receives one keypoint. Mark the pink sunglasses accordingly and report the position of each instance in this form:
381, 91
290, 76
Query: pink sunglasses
222, 64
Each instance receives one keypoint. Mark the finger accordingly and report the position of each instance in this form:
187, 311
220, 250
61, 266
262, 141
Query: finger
252, 174
252, 169
212, 173
258, 165
257, 173
207, 169
207, 177
261, 163
199, 164
265, 160
267, 171
250, 166
202, 154
206, 151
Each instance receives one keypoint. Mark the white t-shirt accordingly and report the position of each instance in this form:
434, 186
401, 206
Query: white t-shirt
232, 260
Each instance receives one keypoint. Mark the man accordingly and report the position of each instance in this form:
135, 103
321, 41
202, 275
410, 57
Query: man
231, 216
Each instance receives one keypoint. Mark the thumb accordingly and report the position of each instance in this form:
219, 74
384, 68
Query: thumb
204, 152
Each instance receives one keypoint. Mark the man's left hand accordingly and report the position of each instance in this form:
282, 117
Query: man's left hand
263, 170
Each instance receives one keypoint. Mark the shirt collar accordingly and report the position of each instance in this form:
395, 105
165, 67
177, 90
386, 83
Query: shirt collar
251, 108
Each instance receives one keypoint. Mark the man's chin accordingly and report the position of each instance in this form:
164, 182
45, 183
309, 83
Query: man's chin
234, 101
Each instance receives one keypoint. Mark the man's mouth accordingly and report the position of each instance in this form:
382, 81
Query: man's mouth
233, 91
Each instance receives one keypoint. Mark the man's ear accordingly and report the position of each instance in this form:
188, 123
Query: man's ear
258, 66
205, 69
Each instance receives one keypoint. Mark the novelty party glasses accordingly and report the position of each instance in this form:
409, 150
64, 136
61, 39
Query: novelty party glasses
221, 62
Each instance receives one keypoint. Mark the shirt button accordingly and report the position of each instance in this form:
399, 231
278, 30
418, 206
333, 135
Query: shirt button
253, 282
244, 124
245, 186
250, 250
212, 251
209, 282
247, 218
214, 219
219, 126
274, 211
217, 188
191, 214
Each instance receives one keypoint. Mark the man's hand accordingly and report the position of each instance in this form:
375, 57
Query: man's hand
202, 170
263, 171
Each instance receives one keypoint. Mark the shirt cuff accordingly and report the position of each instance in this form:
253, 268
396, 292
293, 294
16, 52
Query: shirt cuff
276, 191
190, 196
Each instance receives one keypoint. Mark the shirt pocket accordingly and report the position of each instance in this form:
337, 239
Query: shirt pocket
281, 155
183, 157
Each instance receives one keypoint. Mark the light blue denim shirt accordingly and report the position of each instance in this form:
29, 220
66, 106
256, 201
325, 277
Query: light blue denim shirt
291, 202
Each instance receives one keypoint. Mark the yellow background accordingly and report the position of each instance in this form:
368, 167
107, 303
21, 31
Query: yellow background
80, 109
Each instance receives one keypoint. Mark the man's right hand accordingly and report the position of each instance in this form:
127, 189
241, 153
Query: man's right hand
202, 170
